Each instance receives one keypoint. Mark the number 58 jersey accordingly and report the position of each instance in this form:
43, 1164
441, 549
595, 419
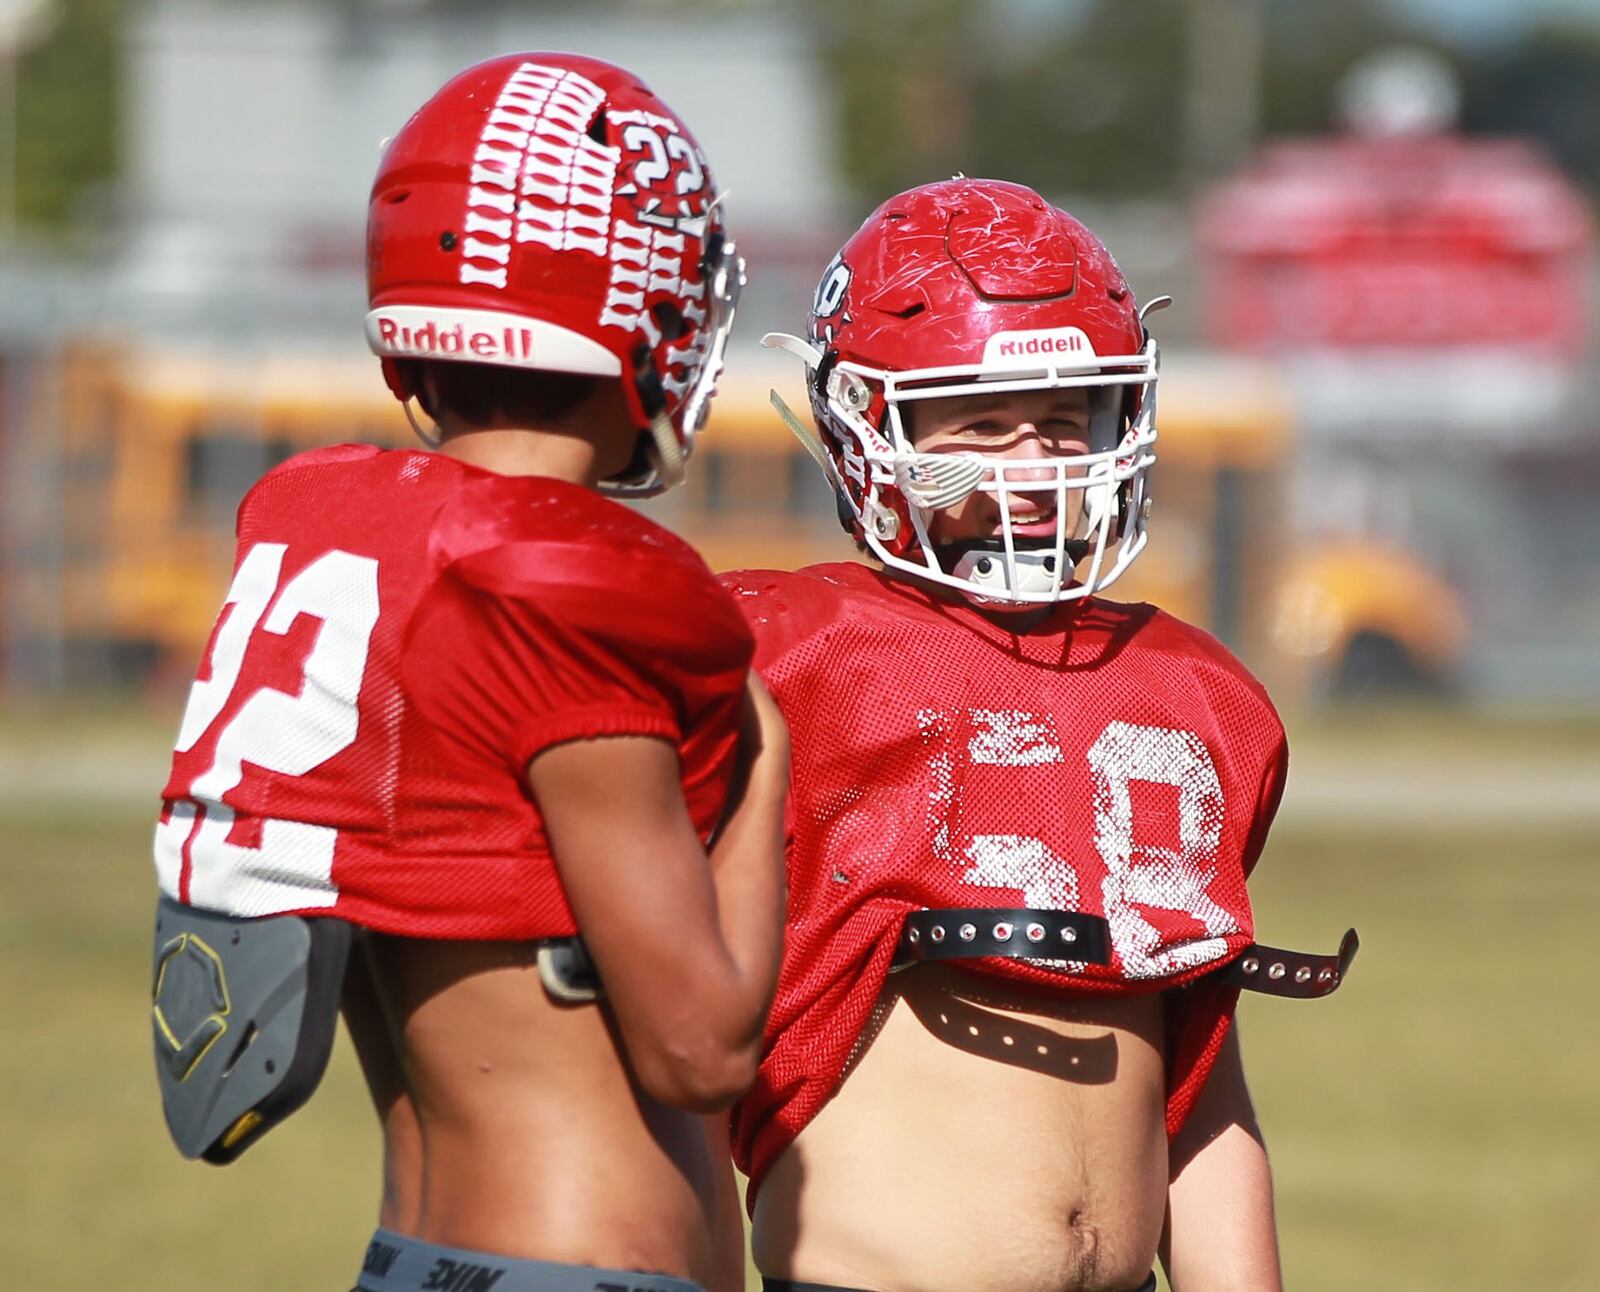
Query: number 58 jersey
1111, 760
402, 635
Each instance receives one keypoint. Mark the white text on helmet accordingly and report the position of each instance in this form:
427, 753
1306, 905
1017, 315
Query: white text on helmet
430, 340
1040, 342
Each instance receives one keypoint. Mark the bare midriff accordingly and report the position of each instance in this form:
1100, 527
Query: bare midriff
987, 1140
520, 1132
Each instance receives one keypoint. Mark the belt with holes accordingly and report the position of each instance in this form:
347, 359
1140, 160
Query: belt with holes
1022, 933
958, 933
1291, 973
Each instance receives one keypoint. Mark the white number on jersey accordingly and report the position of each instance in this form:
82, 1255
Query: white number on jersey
1172, 879
292, 866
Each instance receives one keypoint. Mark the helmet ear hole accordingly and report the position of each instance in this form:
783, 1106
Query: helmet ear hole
824, 371
846, 513
669, 318
647, 381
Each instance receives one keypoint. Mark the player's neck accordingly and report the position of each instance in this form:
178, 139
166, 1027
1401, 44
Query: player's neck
1017, 621
559, 455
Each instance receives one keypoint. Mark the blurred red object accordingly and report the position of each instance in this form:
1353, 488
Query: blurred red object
1426, 243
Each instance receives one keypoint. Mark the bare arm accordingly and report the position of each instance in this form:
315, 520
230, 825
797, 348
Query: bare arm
688, 945
1221, 1232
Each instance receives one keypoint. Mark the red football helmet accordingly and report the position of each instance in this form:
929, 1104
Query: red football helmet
977, 286
548, 211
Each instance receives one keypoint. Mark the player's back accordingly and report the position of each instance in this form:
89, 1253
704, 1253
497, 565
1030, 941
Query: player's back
403, 633
288, 753
338, 754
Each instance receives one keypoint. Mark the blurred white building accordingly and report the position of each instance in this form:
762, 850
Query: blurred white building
252, 131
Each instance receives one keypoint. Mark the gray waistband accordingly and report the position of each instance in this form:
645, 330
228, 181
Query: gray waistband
795, 1285
395, 1263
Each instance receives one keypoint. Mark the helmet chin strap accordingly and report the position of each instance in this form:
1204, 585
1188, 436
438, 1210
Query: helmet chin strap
432, 441
669, 455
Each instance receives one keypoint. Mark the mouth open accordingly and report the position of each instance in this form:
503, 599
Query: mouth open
1033, 527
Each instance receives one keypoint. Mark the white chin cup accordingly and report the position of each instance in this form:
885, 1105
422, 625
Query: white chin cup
1035, 572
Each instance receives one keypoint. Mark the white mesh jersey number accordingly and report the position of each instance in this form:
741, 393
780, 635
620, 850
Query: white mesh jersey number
291, 868
1171, 878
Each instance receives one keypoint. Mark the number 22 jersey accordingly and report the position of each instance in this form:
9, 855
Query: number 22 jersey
1111, 760
404, 632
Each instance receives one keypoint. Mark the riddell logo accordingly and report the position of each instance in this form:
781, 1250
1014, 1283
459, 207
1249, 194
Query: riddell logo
485, 336
1044, 343
508, 344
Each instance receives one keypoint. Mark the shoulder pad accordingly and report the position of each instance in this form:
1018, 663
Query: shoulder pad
785, 607
1208, 658
805, 591
506, 513
584, 560
328, 455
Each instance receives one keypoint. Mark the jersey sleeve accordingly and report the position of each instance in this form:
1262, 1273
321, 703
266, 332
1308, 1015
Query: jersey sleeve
552, 633
1269, 795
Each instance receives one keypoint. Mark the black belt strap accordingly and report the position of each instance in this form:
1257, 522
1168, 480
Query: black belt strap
1016, 933
1297, 974
1023, 933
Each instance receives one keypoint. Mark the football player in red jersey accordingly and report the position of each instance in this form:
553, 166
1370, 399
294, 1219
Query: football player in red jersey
1000, 1055
462, 702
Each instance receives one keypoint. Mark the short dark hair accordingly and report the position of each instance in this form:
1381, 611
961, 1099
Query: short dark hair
486, 395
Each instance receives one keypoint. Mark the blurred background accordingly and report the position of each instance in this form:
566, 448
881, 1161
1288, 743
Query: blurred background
1379, 481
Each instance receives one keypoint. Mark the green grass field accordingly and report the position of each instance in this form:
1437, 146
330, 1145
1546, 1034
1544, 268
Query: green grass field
1433, 1126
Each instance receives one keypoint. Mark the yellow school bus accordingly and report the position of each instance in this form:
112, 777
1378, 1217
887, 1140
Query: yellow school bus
158, 445
156, 448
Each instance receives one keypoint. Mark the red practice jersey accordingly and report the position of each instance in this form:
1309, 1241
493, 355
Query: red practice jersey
404, 632
1112, 761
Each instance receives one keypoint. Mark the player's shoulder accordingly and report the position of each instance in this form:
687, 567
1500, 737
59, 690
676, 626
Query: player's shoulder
332, 475
1157, 637
785, 607
809, 589
330, 459
341, 468
333, 454
578, 557
1160, 630
514, 530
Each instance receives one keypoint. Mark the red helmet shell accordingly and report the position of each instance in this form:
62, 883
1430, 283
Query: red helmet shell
935, 272
545, 211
